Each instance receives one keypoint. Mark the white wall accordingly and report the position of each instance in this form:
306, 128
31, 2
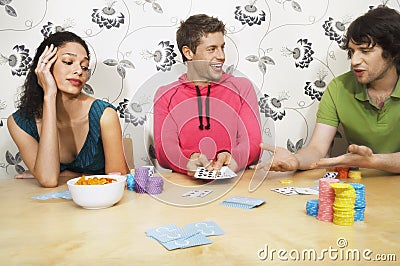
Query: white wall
146, 23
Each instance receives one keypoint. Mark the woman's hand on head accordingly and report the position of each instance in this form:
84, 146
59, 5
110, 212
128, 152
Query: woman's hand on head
43, 70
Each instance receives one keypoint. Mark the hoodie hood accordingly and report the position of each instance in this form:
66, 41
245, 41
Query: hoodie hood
224, 78
199, 89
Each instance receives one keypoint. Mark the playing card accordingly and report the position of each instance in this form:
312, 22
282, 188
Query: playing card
330, 174
197, 193
194, 240
167, 233
64, 194
242, 202
288, 191
306, 191
209, 228
203, 173
151, 170
172, 237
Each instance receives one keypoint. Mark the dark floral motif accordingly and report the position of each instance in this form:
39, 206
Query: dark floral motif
164, 56
294, 148
302, 54
334, 30
122, 108
132, 113
9, 9
51, 28
272, 107
108, 17
316, 89
121, 65
15, 161
19, 62
249, 15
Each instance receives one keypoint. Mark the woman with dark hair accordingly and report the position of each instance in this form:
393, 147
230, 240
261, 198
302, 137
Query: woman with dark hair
59, 130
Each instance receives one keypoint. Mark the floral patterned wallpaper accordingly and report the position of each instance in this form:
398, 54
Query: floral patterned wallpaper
289, 49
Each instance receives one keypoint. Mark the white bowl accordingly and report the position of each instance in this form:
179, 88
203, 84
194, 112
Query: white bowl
97, 196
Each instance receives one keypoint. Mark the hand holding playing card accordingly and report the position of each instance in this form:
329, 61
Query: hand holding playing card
225, 159
282, 160
197, 160
224, 172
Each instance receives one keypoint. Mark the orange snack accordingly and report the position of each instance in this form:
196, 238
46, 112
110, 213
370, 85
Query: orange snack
94, 180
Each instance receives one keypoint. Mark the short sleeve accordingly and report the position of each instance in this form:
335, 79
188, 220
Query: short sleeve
327, 109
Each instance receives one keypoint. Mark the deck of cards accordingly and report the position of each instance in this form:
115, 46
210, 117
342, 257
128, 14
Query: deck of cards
225, 172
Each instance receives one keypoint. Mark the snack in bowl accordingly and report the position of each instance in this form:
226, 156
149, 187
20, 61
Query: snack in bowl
97, 196
94, 180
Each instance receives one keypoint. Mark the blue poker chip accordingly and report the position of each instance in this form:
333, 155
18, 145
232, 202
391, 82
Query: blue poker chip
312, 207
130, 182
360, 203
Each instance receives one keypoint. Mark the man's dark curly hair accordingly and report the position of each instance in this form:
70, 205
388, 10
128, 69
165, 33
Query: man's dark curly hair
195, 27
31, 98
380, 26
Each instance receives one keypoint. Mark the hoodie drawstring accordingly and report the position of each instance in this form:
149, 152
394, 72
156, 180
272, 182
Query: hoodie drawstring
208, 107
200, 108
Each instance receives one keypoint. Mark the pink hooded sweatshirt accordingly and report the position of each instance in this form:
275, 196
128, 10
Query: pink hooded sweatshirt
222, 116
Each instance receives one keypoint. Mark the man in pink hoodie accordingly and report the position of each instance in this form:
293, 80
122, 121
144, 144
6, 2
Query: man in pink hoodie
208, 117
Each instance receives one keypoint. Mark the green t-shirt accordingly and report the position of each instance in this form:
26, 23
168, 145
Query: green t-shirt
346, 101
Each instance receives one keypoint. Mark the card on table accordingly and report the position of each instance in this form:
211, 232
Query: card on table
209, 228
242, 202
168, 232
306, 191
64, 194
196, 193
194, 240
225, 172
172, 237
288, 191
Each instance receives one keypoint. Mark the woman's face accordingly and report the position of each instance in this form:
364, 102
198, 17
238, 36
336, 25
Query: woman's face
71, 69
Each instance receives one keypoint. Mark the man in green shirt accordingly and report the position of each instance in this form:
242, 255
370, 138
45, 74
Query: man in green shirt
366, 101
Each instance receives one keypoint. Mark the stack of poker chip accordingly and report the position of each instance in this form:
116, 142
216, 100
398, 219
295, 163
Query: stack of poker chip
146, 182
130, 182
359, 205
343, 205
325, 199
343, 172
312, 207
141, 179
155, 185
355, 174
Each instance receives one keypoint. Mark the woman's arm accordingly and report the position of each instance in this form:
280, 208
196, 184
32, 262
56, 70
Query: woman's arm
43, 158
111, 135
